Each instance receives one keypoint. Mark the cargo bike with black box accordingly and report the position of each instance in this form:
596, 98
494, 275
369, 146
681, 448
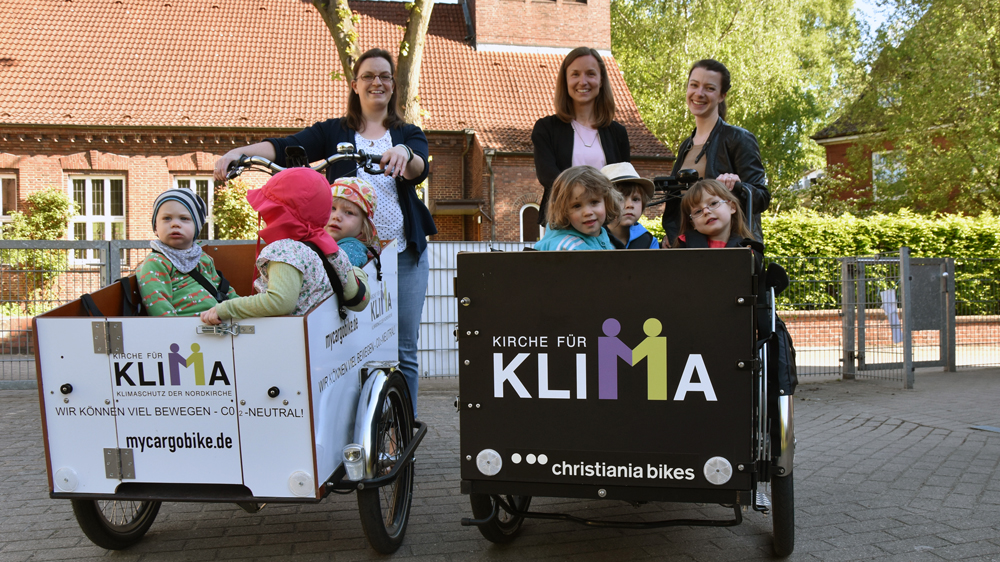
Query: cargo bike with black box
628, 375
139, 410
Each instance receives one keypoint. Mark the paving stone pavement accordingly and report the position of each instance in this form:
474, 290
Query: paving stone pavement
880, 474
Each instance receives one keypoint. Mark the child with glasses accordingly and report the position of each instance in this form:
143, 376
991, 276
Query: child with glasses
711, 217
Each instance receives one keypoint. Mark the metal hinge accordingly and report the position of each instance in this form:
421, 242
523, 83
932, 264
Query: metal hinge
748, 365
118, 464
108, 337
225, 329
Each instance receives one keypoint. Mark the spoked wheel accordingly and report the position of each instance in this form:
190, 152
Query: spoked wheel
504, 527
115, 524
783, 514
386, 509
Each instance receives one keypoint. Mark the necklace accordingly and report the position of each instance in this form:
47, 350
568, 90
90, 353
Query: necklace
597, 135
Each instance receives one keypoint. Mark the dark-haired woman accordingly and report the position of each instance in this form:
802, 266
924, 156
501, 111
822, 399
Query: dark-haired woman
373, 123
717, 149
583, 130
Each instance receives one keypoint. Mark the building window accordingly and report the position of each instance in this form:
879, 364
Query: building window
888, 168
204, 186
101, 203
8, 196
530, 229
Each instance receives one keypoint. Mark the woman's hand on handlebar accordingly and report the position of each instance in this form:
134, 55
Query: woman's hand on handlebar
728, 180
394, 161
263, 149
222, 164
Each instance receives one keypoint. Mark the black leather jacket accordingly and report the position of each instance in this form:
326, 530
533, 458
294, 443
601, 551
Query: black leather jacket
731, 150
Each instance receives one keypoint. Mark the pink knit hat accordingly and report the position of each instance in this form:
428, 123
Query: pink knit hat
295, 203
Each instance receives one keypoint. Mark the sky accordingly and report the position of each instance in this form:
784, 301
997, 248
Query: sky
869, 12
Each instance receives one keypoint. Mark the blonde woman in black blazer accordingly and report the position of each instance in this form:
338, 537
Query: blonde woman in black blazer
585, 112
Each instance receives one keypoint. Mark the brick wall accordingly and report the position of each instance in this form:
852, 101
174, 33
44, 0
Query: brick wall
824, 328
543, 23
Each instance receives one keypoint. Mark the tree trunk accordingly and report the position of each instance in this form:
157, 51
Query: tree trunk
341, 22
411, 52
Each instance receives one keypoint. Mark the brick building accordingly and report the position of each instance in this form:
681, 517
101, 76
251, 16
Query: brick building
117, 100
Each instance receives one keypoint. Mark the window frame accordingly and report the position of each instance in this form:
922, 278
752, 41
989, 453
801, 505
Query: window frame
208, 231
891, 166
89, 219
520, 220
4, 211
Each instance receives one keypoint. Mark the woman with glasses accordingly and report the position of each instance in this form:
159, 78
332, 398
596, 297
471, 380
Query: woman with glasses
716, 149
373, 124
583, 131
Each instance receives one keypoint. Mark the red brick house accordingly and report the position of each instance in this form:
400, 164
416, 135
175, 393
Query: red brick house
117, 100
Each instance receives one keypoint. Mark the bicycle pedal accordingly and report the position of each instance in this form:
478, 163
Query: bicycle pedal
763, 500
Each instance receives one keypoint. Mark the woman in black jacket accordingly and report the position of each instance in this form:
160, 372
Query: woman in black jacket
717, 149
373, 123
583, 130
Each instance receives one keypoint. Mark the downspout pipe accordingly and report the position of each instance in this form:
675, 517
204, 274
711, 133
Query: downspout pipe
490, 153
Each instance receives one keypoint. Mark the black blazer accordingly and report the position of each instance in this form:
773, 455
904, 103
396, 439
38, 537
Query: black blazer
553, 140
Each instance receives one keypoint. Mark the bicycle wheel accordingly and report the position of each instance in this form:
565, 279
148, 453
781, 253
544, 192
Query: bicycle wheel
783, 514
386, 509
504, 527
115, 524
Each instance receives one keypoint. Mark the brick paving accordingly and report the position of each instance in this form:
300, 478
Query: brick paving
881, 474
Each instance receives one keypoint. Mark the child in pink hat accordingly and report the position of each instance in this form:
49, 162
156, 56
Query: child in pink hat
351, 221
301, 266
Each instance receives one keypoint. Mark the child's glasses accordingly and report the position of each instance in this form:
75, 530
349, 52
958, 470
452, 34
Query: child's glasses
710, 207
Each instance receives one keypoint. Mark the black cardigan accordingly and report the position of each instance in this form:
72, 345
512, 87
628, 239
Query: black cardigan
320, 141
553, 140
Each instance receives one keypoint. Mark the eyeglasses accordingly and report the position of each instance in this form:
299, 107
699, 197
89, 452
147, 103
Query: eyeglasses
710, 207
369, 78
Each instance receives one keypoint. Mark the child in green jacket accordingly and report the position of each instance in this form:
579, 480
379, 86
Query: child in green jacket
165, 280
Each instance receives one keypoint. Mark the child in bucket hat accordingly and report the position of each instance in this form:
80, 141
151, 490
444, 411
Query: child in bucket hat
301, 266
637, 192
352, 215
173, 277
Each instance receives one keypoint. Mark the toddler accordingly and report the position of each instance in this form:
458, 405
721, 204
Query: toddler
351, 218
177, 278
711, 217
637, 193
582, 201
301, 266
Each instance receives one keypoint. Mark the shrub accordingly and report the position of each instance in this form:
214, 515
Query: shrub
234, 218
46, 217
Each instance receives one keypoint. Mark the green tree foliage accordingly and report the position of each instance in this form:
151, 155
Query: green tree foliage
933, 95
790, 60
46, 217
234, 218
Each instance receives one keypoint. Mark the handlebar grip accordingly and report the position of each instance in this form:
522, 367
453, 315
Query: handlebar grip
371, 161
235, 168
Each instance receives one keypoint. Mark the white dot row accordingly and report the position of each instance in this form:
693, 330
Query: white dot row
530, 458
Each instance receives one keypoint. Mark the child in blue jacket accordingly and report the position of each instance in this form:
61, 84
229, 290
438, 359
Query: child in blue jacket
582, 201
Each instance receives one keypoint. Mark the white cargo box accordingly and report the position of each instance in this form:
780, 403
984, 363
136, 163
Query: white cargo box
156, 407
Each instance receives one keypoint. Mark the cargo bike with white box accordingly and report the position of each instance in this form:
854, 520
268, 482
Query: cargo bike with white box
139, 410
628, 375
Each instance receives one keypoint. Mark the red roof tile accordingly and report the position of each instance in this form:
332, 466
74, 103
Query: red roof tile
257, 64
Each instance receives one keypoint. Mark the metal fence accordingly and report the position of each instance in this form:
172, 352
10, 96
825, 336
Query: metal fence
36, 276
977, 310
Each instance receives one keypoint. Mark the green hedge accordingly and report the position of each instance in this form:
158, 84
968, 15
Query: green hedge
974, 242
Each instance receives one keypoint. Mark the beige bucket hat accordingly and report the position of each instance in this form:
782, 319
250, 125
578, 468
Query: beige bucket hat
624, 172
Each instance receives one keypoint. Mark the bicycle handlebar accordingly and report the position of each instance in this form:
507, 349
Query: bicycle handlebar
368, 162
